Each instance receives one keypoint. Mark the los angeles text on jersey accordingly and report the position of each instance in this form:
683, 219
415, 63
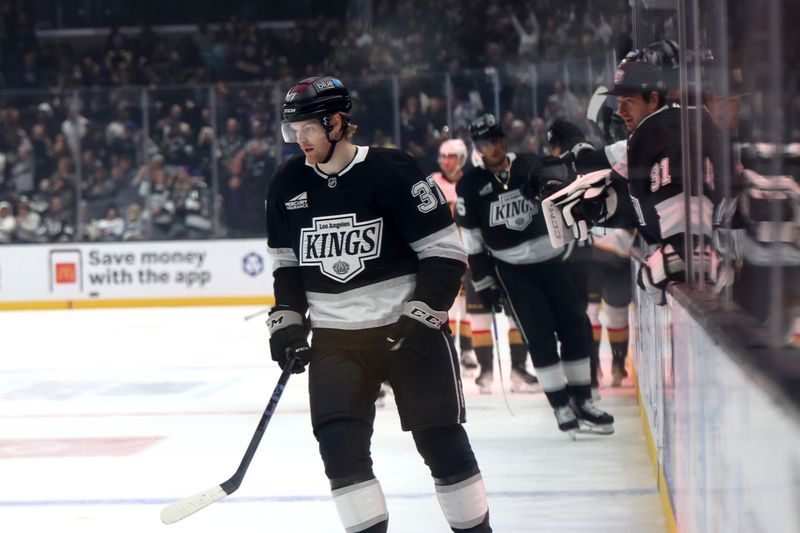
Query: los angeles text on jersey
512, 210
340, 245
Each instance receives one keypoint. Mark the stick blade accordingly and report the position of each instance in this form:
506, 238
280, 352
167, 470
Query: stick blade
183, 508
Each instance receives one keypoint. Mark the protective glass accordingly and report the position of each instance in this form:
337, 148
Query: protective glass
309, 130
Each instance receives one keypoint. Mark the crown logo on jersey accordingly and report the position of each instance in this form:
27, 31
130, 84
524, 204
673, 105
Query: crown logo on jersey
341, 268
340, 246
512, 210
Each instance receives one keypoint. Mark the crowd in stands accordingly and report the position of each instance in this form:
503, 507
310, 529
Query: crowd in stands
119, 133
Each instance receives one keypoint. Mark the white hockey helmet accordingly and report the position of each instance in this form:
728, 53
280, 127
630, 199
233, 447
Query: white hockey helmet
455, 147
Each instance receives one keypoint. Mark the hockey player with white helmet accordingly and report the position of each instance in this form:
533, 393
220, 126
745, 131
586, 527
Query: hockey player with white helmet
365, 244
452, 158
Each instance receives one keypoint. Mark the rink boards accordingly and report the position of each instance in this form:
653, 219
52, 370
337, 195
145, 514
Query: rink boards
723, 440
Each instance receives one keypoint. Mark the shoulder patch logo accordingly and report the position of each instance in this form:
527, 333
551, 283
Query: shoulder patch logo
340, 246
486, 189
512, 210
298, 202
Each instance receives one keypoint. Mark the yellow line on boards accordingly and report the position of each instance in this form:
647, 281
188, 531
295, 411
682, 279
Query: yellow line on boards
663, 489
137, 302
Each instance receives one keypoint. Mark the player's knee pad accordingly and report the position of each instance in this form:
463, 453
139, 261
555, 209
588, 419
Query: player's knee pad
446, 450
344, 447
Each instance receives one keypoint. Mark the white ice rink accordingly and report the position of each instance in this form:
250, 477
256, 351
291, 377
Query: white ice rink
106, 416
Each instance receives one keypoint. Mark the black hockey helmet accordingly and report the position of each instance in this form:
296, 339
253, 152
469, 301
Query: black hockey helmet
637, 77
663, 54
314, 98
485, 127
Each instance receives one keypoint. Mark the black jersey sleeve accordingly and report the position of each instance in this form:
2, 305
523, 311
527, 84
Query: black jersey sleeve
288, 280
625, 215
419, 211
590, 160
468, 219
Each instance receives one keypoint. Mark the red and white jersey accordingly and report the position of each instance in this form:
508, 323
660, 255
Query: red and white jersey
448, 188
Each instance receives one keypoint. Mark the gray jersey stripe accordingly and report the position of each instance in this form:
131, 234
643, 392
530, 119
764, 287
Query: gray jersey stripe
443, 243
531, 251
473, 240
370, 306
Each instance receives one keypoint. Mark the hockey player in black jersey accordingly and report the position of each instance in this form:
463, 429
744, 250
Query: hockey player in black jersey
366, 254
652, 199
514, 264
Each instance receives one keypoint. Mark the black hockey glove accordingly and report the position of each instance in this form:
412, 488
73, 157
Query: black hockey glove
416, 326
288, 337
548, 175
569, 140
564, 135
489, 294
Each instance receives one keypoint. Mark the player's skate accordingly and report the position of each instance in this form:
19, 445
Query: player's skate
522, 381
484, 381
593, 419
618, 372
567, 421
469, 363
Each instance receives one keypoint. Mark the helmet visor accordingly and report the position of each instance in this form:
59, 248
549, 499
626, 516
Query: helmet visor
309, 130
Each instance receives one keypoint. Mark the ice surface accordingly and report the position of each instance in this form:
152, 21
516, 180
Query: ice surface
106, 416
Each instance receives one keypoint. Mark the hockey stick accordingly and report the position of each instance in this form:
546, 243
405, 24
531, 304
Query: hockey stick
499, 364
248, 317
183, 508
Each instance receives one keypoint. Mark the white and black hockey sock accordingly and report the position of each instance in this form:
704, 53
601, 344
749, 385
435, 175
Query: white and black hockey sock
463, 502
362, 507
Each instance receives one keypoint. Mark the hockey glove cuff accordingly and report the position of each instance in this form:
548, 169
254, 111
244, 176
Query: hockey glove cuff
661, 266
489, 294
415, 325
288, 337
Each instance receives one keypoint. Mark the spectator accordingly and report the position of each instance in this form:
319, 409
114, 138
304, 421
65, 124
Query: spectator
7, 223
29, 223
134, 224
74, 129
58, 221
111, 226
160, 206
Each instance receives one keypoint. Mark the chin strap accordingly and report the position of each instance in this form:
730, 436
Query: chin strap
326, 124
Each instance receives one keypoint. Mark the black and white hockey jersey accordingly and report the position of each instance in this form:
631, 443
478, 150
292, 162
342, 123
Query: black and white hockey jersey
497, 220
353, 247
655, 179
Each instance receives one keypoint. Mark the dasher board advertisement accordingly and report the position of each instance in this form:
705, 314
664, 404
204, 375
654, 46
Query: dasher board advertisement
136, 270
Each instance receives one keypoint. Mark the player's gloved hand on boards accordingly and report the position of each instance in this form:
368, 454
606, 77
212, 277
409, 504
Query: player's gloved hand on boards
660, 266
288, 337
489, 294
415, 326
